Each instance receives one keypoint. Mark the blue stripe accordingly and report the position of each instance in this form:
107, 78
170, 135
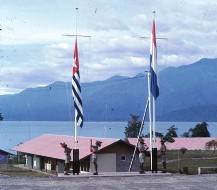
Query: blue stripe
79, 116
76, 94
77, 91
154, 86
76, 81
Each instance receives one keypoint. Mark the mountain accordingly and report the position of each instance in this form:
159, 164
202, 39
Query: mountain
187, 93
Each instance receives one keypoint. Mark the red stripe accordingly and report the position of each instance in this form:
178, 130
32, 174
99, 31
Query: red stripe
154, 34
76, 61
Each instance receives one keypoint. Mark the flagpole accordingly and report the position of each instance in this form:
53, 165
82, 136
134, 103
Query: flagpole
154, 127
154, 113
76, 91
154, 90
76, 84
153, 101
150, 117
76, 32
139, 135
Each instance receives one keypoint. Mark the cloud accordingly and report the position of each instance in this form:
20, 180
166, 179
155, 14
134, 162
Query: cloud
35, 52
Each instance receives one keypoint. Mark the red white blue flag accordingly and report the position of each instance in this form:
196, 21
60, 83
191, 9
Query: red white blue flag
76, 89
153, 63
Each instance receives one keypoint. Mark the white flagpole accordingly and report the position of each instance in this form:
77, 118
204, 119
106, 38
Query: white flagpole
76, 35
152, 67
154, 130
140, 131
77, 99
153, 107
75, 140
150, 117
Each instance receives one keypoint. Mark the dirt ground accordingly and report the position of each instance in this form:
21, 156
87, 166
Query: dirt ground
175, 181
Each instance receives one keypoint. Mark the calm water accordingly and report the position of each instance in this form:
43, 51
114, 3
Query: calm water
14, 132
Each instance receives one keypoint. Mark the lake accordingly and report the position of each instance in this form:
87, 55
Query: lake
14, 132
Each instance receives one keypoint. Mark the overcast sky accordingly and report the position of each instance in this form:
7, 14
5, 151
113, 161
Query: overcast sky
35, 53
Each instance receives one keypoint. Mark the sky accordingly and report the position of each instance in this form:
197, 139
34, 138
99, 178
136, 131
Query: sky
36, 51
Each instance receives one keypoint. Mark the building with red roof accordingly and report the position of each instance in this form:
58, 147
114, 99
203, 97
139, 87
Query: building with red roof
45, 153
198, 143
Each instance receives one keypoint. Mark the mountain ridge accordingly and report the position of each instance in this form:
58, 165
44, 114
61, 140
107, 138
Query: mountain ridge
187, 93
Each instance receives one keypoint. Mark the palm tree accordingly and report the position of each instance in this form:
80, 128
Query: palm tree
172, 131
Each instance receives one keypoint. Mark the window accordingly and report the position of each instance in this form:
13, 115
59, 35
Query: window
123, 157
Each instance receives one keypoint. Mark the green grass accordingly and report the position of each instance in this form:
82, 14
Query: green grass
191, 159
13, 171
191, 164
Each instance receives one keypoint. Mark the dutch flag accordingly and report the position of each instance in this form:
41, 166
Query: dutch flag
153, 64
76, 89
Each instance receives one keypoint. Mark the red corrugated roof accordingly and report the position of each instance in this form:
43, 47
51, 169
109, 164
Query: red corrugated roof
189, 143
49, 145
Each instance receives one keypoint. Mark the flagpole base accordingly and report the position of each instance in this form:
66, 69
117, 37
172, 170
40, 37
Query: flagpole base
76, 162
154, 160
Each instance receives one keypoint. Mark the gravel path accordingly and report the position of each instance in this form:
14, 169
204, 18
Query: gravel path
176, 181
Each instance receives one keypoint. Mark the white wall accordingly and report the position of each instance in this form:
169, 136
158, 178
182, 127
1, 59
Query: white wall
47, 166
60, 166
106, 163
28, 161
36, 162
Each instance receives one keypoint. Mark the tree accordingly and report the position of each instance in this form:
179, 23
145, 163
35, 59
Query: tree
168, 139
211, 145
169, 135
172, 131
186, 134
200, 130
157, 134
132, 130
1, 117
183, 150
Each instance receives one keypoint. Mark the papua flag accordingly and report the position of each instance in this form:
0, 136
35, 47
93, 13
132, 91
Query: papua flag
153, 63
76, 89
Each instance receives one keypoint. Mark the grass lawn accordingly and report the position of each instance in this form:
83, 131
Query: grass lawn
193, 159
13, 171
191, 164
